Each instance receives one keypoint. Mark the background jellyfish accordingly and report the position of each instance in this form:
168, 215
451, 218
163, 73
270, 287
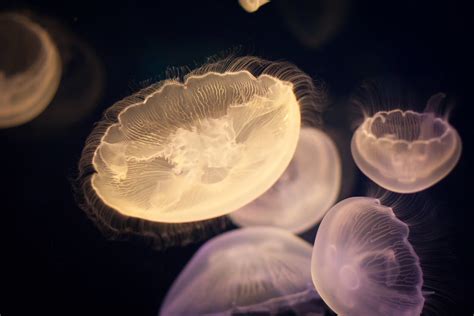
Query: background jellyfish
246, 271
189, 150
30, 69
306, 190
363, 263
314, 22
406, 151
252, 5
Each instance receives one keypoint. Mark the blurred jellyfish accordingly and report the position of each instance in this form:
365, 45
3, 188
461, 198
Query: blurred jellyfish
252, 5
406, 151
307, 189
192, 150
314, 22
30, 69
82, 81
363, 263
245, 272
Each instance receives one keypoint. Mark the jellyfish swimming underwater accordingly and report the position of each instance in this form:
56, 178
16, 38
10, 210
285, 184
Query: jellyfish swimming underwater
196, 149
30, 69
246, 271
306, 190
406, 151
363, 263
252, 5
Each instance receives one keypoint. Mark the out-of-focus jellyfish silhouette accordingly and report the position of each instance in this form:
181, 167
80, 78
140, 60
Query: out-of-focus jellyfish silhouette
82, 81
30, 69
406, 151
307, 189
184, 151
252, 5
314, 22
363, 263
245, 272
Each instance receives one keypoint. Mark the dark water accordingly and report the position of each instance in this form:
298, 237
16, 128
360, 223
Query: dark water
60, 264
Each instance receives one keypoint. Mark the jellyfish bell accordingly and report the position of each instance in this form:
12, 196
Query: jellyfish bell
184, 151
406, 151
363, 263
246, 271
252, 5
306, 190
30, 69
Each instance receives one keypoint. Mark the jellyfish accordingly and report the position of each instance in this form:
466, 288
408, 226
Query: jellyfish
363, 263
190, 150
30, 69
406, 151
252, 5
306, 190
244, 272
314, 22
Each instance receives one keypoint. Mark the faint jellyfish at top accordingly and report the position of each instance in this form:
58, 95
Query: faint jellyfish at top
406, 151
314, 22
30, 69
184, 151
245, 272
252, 5
306, 190
363, 263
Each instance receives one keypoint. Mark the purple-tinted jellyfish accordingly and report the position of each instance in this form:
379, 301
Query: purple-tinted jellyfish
363, 263
307, 189
246, 271
406, 151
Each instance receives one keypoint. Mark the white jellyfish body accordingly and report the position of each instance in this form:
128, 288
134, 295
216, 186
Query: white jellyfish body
246, 271
363, 263
406, 151
252, 5
195, 149
30, 69
306, 190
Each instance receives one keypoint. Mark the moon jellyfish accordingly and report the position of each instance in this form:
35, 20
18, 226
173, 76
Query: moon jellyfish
191, 149
252, 5
363, 263
406, 151
306, 190
30, 69
245, 272
314, 22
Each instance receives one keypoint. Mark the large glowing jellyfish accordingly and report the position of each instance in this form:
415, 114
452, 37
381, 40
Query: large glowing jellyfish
246, 271
307, 189
252, 5
30, 69
192, 150
363, 263
406, 151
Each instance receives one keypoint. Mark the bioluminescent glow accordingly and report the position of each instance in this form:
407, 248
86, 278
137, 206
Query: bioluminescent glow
189, 150
30, 69
306, 190
252, 5
406, 151
363, 263
246, 271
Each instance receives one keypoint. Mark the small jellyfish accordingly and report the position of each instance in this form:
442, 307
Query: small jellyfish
183, 151
306, 190
252, 5
363, 263
406, 151
30, 69
245, 272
